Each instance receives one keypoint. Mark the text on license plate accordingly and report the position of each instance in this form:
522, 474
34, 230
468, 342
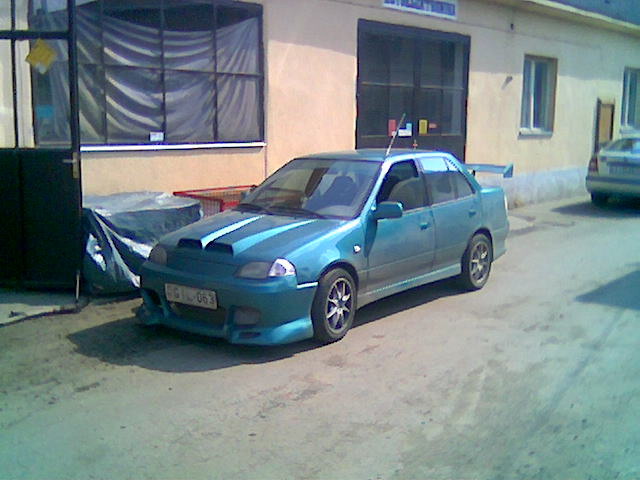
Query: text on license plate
624, 170
191, 296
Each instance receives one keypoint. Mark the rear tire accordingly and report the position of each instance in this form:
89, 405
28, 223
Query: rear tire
599, 199
334, 306
476, 263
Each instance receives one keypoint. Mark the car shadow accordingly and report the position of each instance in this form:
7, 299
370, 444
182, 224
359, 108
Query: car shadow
406, 300
126, 342
614, 208
620, 293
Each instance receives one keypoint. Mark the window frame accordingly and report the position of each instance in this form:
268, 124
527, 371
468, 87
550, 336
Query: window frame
107, 144
530, 102
626, 114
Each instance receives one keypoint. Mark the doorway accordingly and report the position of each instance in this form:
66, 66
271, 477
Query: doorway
41, 238
421, 74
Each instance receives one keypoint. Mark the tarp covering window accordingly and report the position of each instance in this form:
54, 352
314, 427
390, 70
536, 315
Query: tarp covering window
190, 73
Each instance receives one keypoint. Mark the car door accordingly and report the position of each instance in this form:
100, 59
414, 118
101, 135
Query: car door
398, 249
455, 207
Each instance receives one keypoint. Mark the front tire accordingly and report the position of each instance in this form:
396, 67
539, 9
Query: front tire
334, 306
476, 263
599, 199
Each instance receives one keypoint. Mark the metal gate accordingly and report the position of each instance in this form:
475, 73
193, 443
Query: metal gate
40, 228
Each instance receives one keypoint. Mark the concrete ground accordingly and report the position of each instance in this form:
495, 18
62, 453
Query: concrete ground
533, 377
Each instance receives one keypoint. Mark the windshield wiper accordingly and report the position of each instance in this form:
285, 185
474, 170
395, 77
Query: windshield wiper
295, 210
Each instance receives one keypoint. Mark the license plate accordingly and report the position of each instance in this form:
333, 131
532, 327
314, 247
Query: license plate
191, 296
624, 170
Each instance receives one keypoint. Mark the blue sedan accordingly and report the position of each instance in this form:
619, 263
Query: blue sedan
323, 236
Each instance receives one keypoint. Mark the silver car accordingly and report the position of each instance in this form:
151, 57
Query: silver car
615, 170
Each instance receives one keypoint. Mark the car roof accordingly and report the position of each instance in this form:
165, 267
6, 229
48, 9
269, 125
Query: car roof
373, 154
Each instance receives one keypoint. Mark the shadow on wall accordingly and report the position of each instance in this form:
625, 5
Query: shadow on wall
621, 293
126, 342
539, 186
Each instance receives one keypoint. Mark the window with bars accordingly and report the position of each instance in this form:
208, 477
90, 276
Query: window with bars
538, 95
163, 72
631, 99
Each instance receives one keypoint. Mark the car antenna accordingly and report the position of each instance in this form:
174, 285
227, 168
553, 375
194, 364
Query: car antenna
395, 134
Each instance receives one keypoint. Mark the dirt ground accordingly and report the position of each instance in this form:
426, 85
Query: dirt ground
534, 377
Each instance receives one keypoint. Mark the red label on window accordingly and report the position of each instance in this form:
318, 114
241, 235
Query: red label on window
391, 127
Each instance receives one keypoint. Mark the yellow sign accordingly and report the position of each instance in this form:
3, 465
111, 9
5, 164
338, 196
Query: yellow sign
423, 127
41, 56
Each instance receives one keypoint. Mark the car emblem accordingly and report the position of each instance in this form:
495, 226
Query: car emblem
356, 248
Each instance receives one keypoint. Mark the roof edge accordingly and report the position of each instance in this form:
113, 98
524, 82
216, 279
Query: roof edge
575, 13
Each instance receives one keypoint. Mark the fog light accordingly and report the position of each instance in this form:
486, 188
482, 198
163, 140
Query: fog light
246, 316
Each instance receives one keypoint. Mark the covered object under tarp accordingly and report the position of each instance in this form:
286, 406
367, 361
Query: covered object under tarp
120, 231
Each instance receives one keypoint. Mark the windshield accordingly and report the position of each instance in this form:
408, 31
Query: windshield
315, 187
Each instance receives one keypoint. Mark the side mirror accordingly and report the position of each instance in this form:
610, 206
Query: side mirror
387, 210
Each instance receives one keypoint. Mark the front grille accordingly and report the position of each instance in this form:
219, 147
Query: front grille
189, 312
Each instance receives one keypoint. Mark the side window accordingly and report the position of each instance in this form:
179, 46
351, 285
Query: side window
463, 189
443, 180
403, 184
438, 180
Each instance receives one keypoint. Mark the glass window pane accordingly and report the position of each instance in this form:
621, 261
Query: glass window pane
373, 59
132, 34
540, 94
43, 93
401, 61
89, 33
525, 121
93, 129
191, 107
134, 104
41, 15
5, 16
430, 105
7, 131
401, 103
452, 110
633, 102
373, 115
239, 109
237, 44
188, 37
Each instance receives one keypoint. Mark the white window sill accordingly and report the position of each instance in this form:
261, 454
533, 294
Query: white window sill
186, 146
535, 133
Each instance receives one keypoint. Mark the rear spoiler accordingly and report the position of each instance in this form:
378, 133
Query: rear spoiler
505, 170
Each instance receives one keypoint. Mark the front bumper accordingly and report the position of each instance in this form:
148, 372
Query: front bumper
613, 185
282, 307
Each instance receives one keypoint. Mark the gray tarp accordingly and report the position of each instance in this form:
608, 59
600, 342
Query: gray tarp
120, 231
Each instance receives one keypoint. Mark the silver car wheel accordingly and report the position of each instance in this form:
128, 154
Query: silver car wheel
480, 261
339, 305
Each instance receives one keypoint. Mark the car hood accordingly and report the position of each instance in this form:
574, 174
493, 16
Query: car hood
250, 236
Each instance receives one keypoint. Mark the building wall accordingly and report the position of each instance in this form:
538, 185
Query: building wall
311, 68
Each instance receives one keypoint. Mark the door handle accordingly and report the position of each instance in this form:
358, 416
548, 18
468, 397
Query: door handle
472, 212
425, 225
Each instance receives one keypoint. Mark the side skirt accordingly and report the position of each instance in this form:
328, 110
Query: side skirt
367, 297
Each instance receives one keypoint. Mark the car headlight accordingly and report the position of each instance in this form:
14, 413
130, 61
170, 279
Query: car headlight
279, 268
158, 255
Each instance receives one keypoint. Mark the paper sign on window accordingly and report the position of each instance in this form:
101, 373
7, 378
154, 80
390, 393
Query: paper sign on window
423, 127
41, 56
406, 131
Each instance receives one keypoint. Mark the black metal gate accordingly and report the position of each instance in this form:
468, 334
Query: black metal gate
40, 229
421, 74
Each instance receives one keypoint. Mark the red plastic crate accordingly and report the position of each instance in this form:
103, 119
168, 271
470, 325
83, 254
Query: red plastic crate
215, 200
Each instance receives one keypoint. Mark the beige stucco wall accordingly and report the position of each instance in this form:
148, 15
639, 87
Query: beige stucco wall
311, 67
